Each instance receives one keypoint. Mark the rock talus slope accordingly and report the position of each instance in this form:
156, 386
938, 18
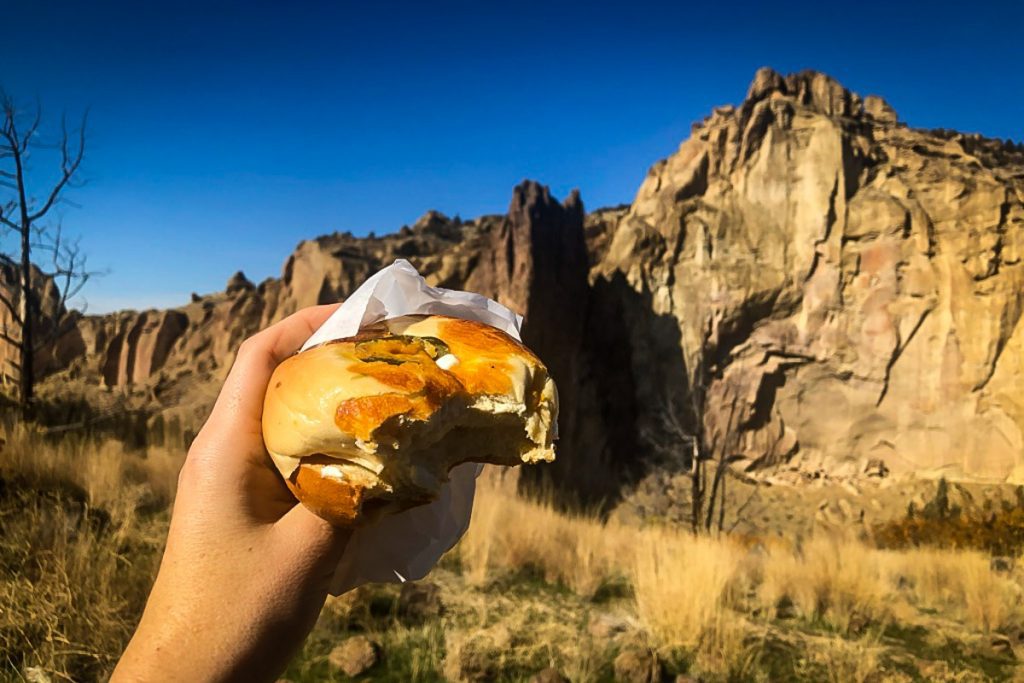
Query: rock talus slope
845, 288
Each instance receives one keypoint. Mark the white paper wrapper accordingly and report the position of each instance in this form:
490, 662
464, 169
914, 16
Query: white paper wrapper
407, 545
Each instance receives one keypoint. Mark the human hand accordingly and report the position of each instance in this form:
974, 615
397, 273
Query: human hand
246, 569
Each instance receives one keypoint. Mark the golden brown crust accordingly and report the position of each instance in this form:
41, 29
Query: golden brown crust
342, 502
362, 416
373, 423
484, 352
404, 365
337, 501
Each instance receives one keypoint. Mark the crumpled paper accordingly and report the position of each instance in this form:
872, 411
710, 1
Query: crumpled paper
407, 545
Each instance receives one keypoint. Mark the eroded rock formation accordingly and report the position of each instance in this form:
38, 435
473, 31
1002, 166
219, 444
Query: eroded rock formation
854, 286
847, 290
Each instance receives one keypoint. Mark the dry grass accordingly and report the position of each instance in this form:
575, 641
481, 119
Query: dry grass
959, 580
82, 525
857, 661
707, 596
681, 583
77, 552
101, 470
508, 532
836, 581
729, 648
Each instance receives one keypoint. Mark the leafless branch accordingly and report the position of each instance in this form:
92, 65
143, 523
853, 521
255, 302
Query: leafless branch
70, 162
33, 127
65, 263
10, 340
10, 129
11, 308
70, 274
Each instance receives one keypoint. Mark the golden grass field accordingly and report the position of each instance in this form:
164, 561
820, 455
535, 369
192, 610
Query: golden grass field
82, 526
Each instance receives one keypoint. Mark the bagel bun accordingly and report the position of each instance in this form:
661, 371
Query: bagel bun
372, 424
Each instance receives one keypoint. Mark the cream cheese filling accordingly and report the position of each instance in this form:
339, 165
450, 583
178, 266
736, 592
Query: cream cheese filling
331, 472
447, 361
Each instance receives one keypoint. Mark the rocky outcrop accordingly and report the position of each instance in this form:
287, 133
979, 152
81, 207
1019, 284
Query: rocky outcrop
171, 362
141, 346
850, 288
536, 262
806, 279
56, 338
328, 268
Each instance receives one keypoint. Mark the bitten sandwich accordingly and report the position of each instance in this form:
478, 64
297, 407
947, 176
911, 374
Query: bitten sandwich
372, 424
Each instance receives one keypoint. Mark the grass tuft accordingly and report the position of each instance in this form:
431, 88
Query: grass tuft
82, 524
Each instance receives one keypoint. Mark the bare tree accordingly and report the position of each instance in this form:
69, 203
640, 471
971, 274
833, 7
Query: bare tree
681, 436
43, 254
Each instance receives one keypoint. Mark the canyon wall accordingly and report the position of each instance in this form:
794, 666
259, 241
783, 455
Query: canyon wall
816, 283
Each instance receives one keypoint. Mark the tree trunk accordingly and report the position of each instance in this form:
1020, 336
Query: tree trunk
27, 379
32, 231
696, 492
27, 341
717, 496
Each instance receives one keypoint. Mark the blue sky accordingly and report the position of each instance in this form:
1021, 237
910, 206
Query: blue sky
222, 134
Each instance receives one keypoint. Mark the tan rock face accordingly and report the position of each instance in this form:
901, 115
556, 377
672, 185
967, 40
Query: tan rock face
141, 346
854, 287
170, 363
845, 289
55, 346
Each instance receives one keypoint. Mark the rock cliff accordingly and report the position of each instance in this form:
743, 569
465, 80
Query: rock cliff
852, 287
836, 288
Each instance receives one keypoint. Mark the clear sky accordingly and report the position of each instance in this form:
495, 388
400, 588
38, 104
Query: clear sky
222, 134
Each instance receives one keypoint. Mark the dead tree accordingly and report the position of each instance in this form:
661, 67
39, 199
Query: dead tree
42, 253
683, 440
681, 436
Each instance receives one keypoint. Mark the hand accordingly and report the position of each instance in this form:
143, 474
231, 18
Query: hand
246, 569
